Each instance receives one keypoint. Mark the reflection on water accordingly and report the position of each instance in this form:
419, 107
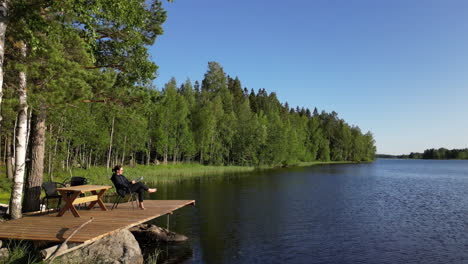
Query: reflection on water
389, 211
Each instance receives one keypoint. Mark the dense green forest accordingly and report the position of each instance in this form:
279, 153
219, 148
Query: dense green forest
441, 153
76, 91
217, 122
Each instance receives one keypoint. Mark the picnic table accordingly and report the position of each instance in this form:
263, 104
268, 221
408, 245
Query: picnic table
71, 196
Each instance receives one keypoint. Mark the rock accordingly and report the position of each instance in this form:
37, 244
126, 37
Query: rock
119, 247
4, 255
153, 232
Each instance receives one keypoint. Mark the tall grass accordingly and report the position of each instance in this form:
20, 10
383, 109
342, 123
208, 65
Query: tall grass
153, 258
154, 174
22, 252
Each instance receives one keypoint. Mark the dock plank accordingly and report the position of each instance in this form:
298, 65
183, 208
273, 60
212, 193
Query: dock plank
56, 229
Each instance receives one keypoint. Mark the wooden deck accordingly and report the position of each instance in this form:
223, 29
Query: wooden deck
57, 229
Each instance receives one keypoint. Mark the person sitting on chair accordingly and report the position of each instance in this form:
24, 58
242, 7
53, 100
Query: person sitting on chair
122, 183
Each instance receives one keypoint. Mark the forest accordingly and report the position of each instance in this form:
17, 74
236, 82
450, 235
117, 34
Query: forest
441, 153
76, 91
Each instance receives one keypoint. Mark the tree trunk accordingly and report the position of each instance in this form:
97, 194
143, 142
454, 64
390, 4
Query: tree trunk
49, 151
166, 150
148, 153
68, 155
110, 144
29, 130
3, 27
5, 149
33, 185
123, 152
174, 158
13, 143
90, 159
201, 149
9, 158
82, 156
132, 160
52, 160
20, 161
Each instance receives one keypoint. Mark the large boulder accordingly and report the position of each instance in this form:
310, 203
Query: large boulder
152, 232
119, 247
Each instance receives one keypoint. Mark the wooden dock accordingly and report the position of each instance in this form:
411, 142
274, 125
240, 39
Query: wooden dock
51, 228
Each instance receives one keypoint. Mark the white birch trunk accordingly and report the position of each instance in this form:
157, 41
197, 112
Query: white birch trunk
110, 144
18, 180
29, 116
90, 159
68, 155
13, 143
148, 156
123, 152
3, 27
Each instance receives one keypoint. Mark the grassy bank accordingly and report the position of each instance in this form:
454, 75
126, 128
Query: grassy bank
161, 174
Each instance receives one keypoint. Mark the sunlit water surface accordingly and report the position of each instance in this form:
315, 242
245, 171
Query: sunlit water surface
389, 211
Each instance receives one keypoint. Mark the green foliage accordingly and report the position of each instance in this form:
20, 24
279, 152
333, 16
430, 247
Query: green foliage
22, 252
217, 125
441, 153
153, 258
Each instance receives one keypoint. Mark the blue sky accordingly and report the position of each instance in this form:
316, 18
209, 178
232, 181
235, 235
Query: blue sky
397, 68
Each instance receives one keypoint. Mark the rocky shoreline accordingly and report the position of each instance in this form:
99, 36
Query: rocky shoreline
129, 246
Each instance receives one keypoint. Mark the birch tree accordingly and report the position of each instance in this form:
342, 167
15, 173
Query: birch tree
3, 26
21, 135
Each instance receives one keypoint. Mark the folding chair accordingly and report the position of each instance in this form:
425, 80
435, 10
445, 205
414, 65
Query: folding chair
75, 181
121, 193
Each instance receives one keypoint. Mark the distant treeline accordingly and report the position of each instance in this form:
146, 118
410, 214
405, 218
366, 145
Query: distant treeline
441, 153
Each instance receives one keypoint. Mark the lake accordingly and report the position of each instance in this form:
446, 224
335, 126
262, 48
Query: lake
389, 211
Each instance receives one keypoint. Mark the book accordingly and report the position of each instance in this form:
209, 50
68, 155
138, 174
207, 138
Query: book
139, 179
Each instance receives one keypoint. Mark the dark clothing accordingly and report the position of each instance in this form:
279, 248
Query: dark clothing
121, 184
139, 188
124, 186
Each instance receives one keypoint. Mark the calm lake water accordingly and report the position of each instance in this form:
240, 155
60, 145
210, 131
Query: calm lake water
389, 211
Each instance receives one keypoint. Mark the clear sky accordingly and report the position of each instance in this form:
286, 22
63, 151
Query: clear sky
396, 68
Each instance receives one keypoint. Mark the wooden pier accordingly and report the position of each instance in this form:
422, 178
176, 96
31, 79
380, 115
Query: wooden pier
51, 228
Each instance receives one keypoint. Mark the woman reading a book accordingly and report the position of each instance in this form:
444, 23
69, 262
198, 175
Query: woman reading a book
123, 185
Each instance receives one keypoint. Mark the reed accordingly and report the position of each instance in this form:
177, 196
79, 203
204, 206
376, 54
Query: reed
155, 174
21, 252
